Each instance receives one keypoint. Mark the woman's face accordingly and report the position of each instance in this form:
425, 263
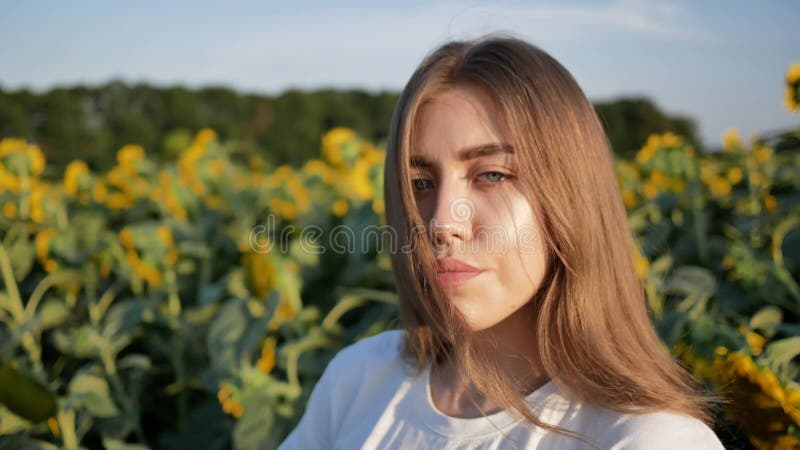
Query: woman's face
467, 190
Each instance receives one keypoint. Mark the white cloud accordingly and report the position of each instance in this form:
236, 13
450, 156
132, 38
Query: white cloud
561, 21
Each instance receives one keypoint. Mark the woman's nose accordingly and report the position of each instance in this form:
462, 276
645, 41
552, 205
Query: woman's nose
452, 218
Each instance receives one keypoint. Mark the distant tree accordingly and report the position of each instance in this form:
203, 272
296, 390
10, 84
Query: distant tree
182, 109
60, 127
381, 107
295, 127
13, 119
220, 107
629, 121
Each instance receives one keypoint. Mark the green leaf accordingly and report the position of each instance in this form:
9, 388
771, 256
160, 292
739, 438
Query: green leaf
784, 350
702, 329
226, 331
254, 430
92, 392
254, 333
24, 396
306, 250
81, 342
692, 280
767, 319
52, 313
119, 325
122, 318
22, 255
135, 361
662, 264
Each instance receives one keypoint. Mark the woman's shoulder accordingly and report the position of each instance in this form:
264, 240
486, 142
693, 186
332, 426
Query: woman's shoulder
368, 357
661, 430
361, 373
349, 390
382, 347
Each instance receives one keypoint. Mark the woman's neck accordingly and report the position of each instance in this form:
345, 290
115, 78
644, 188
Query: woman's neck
513, 344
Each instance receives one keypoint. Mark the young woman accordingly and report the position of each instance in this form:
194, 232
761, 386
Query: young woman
524, 323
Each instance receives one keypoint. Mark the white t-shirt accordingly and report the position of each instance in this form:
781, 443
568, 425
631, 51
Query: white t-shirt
368, 398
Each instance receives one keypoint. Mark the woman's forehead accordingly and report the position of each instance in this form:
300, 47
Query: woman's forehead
460, 98
455, 120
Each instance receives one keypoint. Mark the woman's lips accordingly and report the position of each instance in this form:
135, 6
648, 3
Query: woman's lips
452, 272
455, 278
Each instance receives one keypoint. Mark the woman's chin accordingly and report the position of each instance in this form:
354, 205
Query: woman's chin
477, 319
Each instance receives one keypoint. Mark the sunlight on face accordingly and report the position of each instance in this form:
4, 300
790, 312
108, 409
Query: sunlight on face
467, 191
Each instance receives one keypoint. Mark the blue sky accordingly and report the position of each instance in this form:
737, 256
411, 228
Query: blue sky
720, 62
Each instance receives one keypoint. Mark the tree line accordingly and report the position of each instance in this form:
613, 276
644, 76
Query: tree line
92, 123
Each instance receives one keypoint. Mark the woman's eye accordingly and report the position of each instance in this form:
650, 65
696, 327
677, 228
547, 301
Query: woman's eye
494, 177
420, 184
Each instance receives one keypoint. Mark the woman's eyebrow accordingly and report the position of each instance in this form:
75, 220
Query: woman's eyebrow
467, 154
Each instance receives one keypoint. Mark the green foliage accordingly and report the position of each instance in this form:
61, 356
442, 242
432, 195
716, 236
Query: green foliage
138, 309
721, 233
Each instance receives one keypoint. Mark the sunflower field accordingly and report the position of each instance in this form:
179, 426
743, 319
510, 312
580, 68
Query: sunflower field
193, 303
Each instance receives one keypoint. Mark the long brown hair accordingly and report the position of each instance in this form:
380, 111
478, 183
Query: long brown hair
594, 335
